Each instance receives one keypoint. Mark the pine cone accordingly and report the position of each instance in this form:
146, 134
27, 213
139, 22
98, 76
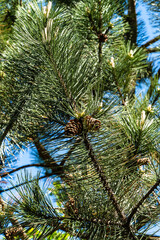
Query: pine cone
92, 123
13, 232
143, 161
73, 127
102, 37
70, 207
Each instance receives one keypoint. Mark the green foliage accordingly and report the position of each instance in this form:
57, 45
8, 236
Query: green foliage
72, 67
7, 18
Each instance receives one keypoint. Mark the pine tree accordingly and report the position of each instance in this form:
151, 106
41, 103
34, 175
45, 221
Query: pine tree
69, 89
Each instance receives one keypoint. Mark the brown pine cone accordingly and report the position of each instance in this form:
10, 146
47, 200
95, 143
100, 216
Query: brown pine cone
70, 207
102, 37
73, 127
97, 125
143, 161
92, 123
12, 232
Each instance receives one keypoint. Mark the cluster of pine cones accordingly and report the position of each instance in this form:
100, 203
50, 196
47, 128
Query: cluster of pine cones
70, 207
76, 126
13, 232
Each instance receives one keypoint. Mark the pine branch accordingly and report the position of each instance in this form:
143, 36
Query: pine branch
147, 237
135, 209
151, 41
67, 229
103, 179
84, 235
57, 170
132, 20
119, 89
95, 221
92, 23
43, 153
25, 166
70, 152
17, 112
156, 98
152, 50
61, 80
120, 93
63, 83
13, 119
108, 188
21, 184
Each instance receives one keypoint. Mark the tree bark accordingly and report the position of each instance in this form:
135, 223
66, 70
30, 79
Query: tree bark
132, 21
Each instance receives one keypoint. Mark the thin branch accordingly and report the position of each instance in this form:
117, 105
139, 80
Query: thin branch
118, 88
147, 237
25, 166
58, 170
21, 184
103, 179
151, 41
152, 50
63, 83
107, 30
120, 93
155, 99
135, 209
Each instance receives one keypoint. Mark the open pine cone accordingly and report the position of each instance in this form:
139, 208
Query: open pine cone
92, 124
102, 37
71, 208
73, 127
12, 232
